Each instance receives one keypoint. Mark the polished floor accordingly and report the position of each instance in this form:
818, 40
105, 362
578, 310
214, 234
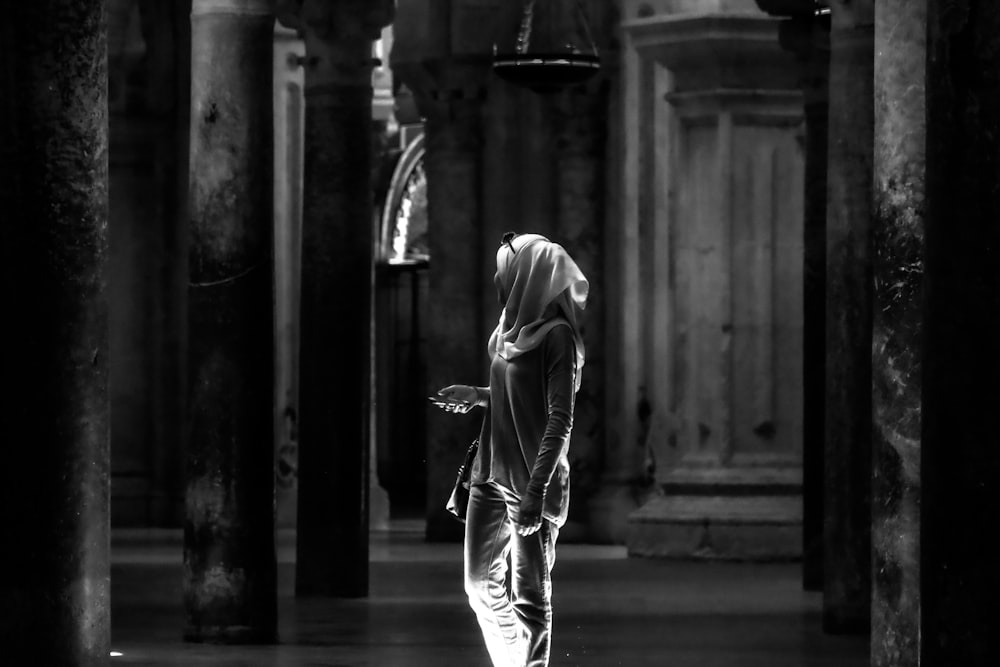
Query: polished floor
610, 610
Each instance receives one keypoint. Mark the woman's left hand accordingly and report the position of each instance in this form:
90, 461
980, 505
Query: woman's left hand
456, 398
529, 515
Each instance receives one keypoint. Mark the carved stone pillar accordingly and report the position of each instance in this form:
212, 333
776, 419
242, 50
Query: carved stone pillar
229, 557
849, 294
335, 391
54, 501
725, 223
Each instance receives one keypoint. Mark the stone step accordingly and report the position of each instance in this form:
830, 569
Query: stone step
702, 527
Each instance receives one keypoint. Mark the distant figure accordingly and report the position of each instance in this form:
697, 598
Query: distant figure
520, 479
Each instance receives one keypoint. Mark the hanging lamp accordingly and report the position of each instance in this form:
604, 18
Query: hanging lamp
560, 63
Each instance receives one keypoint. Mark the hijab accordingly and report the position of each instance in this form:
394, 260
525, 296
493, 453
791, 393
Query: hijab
540, 287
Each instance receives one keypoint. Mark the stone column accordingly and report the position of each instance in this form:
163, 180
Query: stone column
148, 182
809, 39
725, 355
847, 504
166, 29
898, 258
54, 198
807, 35
628, 477
289, 125
335, 391
580, 116
443, 56
229, 556
452, 106
960, 452
815, 88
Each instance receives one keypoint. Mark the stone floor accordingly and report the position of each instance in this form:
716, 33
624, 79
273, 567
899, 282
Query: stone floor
609, 610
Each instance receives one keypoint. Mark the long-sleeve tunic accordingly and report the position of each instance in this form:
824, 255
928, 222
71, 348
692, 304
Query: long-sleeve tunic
525, 437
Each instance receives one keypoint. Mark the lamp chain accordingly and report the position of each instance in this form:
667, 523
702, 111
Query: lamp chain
527, 19
582, 17
524, 33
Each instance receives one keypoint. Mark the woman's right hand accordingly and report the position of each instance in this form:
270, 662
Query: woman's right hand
457, 398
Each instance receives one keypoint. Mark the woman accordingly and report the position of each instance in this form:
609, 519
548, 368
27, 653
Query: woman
520, 479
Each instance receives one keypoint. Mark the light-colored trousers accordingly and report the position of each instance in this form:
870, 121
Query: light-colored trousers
516, 621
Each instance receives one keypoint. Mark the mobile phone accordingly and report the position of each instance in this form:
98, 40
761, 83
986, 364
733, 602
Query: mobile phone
440, 402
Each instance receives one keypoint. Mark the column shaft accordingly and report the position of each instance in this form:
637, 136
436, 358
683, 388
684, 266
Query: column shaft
808, 37
166, 29
54, 501
814, 346
456, 341
335, 381
580, 187
229, 556
960, 459
628, 475
335, 392
898, 244
289, 134
847, 536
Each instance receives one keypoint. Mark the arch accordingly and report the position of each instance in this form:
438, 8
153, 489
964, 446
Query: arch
405, 202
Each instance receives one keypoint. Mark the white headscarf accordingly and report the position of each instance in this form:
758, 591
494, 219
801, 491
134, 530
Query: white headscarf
533, 274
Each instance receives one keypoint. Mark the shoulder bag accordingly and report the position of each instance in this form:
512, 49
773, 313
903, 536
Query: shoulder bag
458, 502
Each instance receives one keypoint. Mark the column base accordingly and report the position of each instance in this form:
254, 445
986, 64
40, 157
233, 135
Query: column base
717, 527
286, 507
378, 506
